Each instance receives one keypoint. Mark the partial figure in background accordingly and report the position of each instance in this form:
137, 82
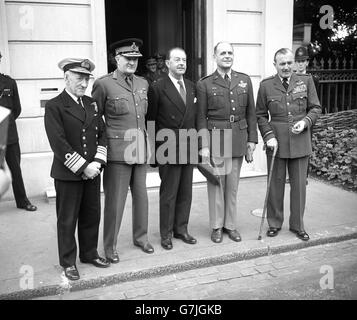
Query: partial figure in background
302, 62
5, 179
162, 70
9, 98
151, 68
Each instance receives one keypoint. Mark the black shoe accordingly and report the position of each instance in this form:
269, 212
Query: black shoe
71, 273
114, 258
28, 207
147, 247
217, 235
302, 235
185, 238
233, 235
273, 232
166, 244
98, 262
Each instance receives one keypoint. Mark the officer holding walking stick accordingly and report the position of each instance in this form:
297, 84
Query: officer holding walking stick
287, 107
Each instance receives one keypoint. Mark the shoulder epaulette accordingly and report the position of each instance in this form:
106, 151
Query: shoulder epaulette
239, 73
205, 77
5, 75
269, 78
106, 75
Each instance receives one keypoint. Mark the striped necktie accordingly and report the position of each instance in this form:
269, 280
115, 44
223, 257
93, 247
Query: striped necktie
182, 91
285, 84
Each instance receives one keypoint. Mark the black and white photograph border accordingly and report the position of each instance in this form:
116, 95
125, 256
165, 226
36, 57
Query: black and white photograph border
36, 35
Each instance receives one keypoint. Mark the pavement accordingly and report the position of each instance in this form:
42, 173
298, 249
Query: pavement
28, 241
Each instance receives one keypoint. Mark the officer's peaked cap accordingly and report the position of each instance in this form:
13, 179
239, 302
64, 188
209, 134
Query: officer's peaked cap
127, 47
78, 65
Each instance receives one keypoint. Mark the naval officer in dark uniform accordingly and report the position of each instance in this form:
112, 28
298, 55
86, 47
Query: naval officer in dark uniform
77, 138
287, 107
225, 102
122, 99
9, 98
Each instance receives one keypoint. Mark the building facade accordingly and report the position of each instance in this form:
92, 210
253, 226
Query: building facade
35, 35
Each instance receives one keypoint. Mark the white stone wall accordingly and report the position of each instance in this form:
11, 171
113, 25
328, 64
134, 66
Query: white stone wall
257, 29
34, 37
36, 34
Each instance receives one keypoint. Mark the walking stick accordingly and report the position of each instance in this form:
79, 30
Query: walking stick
267, 193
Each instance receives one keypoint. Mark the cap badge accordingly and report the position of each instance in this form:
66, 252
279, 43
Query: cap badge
134, 47
85, 64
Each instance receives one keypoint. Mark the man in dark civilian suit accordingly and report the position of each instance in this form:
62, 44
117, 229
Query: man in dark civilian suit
172, 106
77, 138
9, 98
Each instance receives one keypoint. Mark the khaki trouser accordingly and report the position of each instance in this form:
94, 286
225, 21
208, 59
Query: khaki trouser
222, 198
116, 181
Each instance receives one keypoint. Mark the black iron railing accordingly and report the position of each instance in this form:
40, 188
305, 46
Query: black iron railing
337, 83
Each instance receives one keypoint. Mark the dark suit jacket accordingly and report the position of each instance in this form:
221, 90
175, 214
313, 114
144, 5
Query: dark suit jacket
168, 110
76, 135
278, 110
9, 98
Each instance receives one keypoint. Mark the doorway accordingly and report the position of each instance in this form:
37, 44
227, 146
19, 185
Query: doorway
161, 24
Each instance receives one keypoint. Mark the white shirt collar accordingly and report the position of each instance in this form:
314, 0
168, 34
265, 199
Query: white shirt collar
222, 74
73, 96
281, 79
174, 81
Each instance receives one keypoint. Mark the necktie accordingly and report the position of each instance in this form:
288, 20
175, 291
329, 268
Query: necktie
182, 91
128, 81
226, 78
79, 100
285, 83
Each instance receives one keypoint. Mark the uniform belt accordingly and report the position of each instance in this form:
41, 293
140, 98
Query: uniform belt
232, 118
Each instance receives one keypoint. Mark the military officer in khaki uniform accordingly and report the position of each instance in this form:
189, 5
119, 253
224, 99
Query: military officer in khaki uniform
122, 99
287, 107
225, 102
